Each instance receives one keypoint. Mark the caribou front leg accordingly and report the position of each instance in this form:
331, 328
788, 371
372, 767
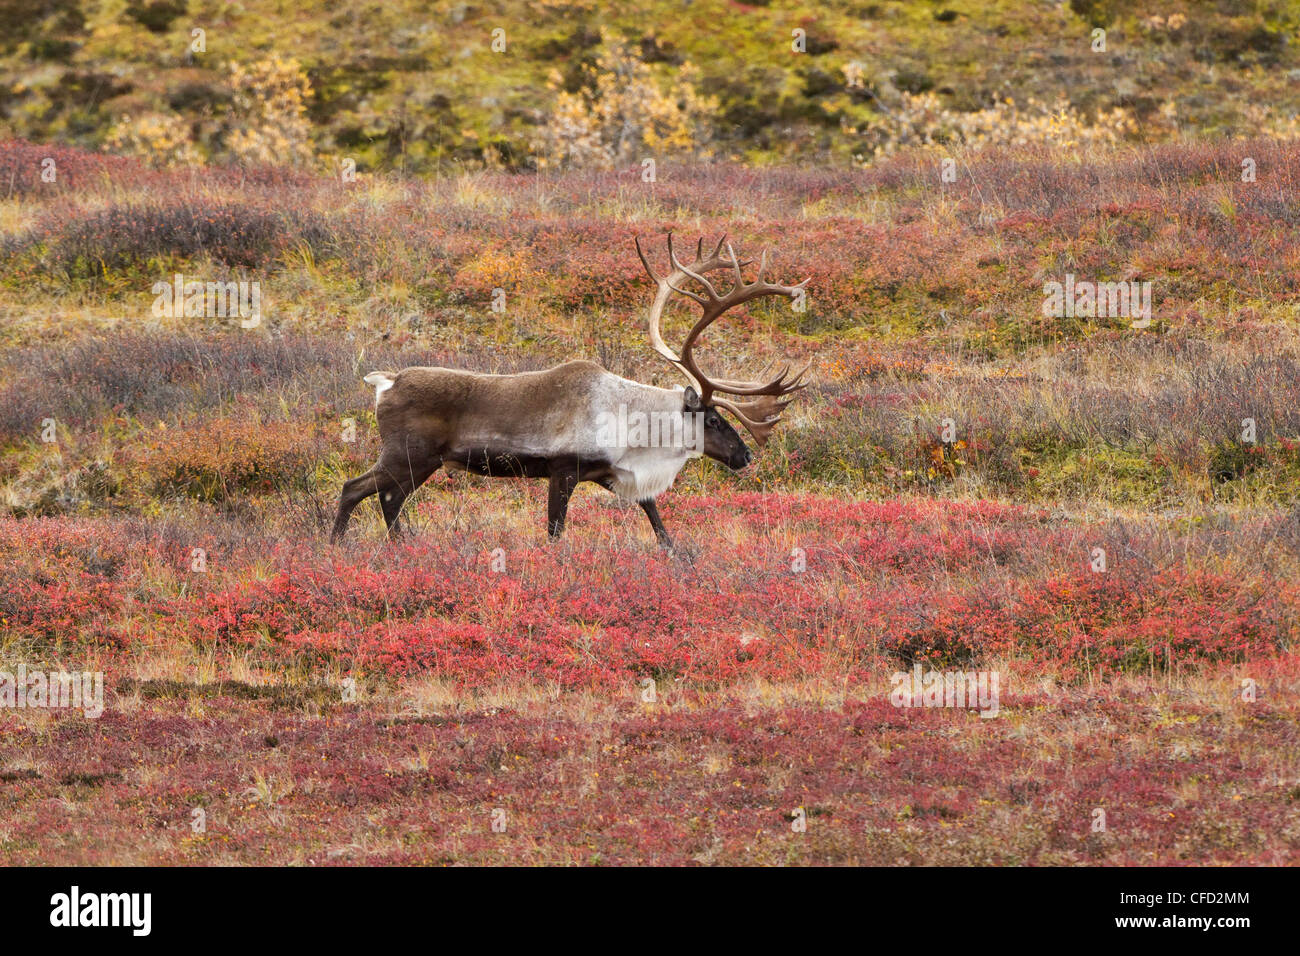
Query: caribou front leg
563, 481
652, 512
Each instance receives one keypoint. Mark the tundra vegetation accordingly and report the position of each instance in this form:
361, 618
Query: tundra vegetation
1101, 510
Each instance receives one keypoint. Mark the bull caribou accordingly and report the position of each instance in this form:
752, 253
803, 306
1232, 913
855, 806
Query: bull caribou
578, 422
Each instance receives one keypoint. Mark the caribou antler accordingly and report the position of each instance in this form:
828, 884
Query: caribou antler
700, 265
762, 414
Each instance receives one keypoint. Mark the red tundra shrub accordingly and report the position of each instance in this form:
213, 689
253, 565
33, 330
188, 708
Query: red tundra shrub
780, 588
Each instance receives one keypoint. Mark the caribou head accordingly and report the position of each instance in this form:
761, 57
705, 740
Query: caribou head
762, 411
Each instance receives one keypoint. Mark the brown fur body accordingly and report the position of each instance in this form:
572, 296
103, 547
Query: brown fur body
526, 425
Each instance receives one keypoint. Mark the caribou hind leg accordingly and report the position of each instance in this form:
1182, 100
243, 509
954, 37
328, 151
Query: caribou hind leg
355, 491
393, 480
391, 501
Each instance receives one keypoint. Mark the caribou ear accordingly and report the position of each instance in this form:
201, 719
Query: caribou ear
693, 399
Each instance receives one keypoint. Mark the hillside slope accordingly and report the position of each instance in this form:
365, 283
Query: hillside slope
412, 84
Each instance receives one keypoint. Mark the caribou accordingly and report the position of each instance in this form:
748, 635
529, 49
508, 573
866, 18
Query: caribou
578, 422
